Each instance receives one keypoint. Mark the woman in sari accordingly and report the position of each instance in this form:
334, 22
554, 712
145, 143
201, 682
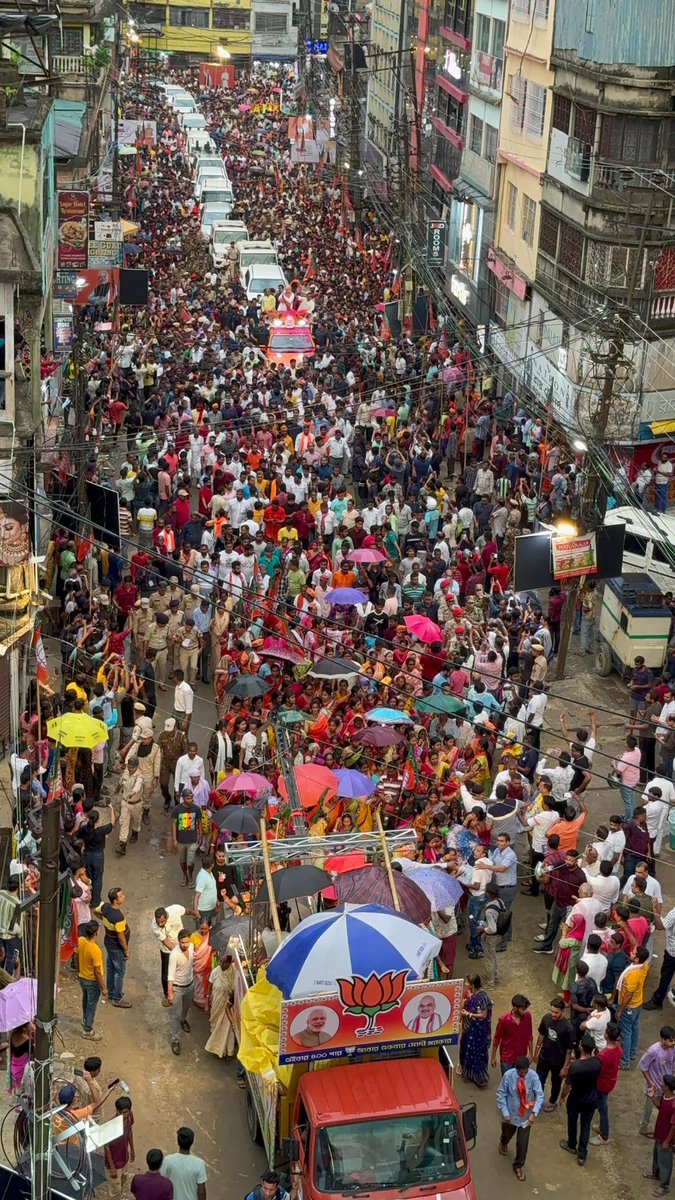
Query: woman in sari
474, 1042
20, 1046
568, 954
222, 1041
202, 963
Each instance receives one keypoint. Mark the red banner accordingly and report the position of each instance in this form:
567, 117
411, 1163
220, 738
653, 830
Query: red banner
72, 230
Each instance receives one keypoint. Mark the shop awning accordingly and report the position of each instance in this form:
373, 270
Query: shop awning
660, 427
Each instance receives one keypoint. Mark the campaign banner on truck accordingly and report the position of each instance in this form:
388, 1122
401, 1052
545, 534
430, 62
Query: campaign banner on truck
382, 1012
72, 224
574, 556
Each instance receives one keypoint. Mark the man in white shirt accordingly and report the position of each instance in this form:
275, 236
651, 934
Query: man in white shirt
188, 764
605, 886
613, 846
183, 701
560, 776
652, 889
166, 926
657, 810
586, 906
180, 986
597, 963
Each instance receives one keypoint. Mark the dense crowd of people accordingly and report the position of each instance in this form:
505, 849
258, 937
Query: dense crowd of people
315, 545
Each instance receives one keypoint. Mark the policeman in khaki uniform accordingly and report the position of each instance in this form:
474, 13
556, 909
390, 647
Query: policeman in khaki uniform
173, 744
188, 653
174, 632
192, 600
175, 590
140, 620
159, 603
158, 640
131, 811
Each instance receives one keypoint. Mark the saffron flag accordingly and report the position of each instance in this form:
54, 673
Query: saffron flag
41, 668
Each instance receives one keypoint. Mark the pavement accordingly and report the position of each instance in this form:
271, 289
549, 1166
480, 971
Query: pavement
200, 1090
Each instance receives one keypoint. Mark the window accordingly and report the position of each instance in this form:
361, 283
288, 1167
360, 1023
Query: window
612, 266
458, 17
536, 110
629, 139
72, 42
528, 220
518, 94
562, 111
584, 124
147, 14
189, 18
571, 250
447, 157
541, 11
451, 112
501, 301
511, 206
634, 545
491, 140
549, 228
230, 18
521, 8
268, 22
482, 39
476, 135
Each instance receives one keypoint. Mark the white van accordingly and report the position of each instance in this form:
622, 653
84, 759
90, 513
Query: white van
198, 143
214, 210
192, 120
257, 252
209, 175
223, 233
257, 278
649, 543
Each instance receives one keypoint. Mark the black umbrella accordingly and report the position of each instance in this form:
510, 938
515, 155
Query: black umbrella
245, 686
334, 668
293, 882
236, 818
228, 927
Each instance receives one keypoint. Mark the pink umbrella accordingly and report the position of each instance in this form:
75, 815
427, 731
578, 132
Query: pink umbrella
248, 781
384, 412
423, 629
284, 654
453, 375
366, 556
244, 108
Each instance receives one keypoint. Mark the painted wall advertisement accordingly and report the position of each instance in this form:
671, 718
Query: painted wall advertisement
73, 230
573, 557
365, 1016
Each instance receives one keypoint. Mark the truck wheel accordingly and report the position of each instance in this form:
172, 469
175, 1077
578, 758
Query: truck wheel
603, 659
252, 1122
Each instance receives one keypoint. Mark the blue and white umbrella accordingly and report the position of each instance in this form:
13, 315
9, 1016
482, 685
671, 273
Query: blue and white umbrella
357, 940
389, 716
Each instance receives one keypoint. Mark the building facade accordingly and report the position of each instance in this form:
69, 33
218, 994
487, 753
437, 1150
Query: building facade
193, 32
598, 238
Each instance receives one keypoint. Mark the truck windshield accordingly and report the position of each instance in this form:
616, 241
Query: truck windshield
288, 339
392, 1154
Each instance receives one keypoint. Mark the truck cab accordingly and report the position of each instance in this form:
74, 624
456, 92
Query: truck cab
388, 1130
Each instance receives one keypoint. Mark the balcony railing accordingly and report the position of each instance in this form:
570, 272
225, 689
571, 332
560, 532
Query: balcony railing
72, 64
567, 289
487, 71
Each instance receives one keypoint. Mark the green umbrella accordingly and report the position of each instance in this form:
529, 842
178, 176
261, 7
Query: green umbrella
290, 716
439, 703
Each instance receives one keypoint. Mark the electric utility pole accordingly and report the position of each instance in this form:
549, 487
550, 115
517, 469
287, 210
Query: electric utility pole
610, 362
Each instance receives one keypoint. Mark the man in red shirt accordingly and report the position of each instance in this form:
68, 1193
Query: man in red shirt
610, 1058
125, 597
514, 1034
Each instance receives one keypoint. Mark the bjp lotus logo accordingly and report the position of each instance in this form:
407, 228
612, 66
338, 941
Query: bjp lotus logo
368, 997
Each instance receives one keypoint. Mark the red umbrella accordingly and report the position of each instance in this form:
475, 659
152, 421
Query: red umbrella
314, 783
284, 653
338, 863
423, 629
248, 781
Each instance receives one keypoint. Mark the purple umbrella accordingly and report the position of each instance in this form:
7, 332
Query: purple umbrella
346, 596
353, 783
443, 890
18, 1003
453, 375
378, 736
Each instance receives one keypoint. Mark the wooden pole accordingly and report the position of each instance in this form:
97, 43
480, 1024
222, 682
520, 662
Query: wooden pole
268, 878
387, 861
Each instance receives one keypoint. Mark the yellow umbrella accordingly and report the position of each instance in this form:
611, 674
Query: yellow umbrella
128, 228
77, 729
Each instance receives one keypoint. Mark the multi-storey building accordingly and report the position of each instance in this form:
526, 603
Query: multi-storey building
192, 32
602, 240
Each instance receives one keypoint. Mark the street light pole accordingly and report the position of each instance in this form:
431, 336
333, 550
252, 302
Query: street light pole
45, 1019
